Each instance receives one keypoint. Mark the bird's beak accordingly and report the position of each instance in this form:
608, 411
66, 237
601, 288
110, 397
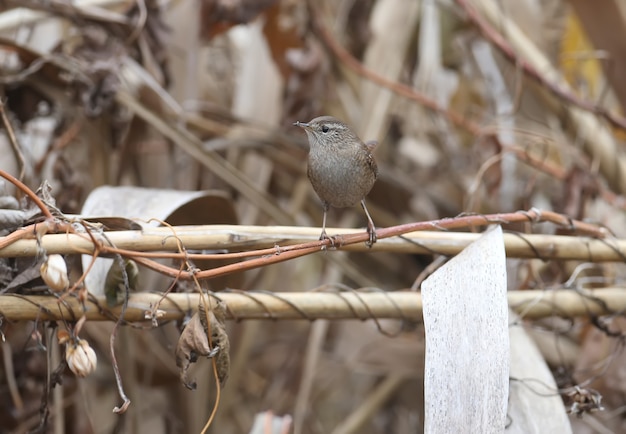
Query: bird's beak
301, 124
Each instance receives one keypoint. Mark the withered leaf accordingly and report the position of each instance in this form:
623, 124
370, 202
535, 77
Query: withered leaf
122, 271
193, 342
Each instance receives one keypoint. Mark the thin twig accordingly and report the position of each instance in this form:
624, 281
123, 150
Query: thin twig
9, 373
64, 139
13, 140
218, 165
28, 192
207, 303
399, 88
118, 377
112, 338
611, 171
493, 36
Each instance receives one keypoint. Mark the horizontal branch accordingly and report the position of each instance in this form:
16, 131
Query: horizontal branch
305, 305
238, 238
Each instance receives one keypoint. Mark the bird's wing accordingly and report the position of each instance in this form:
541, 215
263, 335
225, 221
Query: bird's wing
371, 162
371, 145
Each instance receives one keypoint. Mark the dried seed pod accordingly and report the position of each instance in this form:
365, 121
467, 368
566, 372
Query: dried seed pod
54, 273
80, 357
194, 342
219, 338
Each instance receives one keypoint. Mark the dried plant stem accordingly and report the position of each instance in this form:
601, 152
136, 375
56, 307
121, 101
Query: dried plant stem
559, 89
17, 149
308, 305
11, 380
23, 16
28, 192
598, 141
113, 338
219, 166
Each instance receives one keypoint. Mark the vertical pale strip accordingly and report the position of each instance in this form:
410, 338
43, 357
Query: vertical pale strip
258, 98
504, 107
466, 379
535, 407
429, 49
259, 86
392, 23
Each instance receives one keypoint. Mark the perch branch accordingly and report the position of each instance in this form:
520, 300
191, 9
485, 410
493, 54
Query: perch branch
306, 305
280, 243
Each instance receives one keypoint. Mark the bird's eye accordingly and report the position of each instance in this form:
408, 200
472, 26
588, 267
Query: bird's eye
325, 128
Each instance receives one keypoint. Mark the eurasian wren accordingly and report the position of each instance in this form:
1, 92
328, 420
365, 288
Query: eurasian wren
341, 167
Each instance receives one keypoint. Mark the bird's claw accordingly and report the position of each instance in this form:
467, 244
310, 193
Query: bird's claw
325, 236
371, 230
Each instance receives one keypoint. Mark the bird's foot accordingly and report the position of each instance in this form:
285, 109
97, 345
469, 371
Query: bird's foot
371, 230
325, 236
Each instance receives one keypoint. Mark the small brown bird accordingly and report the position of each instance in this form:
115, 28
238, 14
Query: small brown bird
341, 167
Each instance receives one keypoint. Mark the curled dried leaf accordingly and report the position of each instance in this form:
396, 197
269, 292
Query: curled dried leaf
63, 336
194, 342
121, 271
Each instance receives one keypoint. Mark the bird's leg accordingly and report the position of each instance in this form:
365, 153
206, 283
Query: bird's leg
371, 229
324, 235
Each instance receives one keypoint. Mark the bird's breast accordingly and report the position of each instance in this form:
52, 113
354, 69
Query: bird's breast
340, 180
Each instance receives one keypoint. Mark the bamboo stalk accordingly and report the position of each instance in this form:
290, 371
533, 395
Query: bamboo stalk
530, 304
237, 238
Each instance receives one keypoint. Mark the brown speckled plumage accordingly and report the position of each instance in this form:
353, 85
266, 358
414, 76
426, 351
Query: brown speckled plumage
341, 167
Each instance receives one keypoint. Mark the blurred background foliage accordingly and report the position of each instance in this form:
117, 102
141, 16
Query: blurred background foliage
521, 107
